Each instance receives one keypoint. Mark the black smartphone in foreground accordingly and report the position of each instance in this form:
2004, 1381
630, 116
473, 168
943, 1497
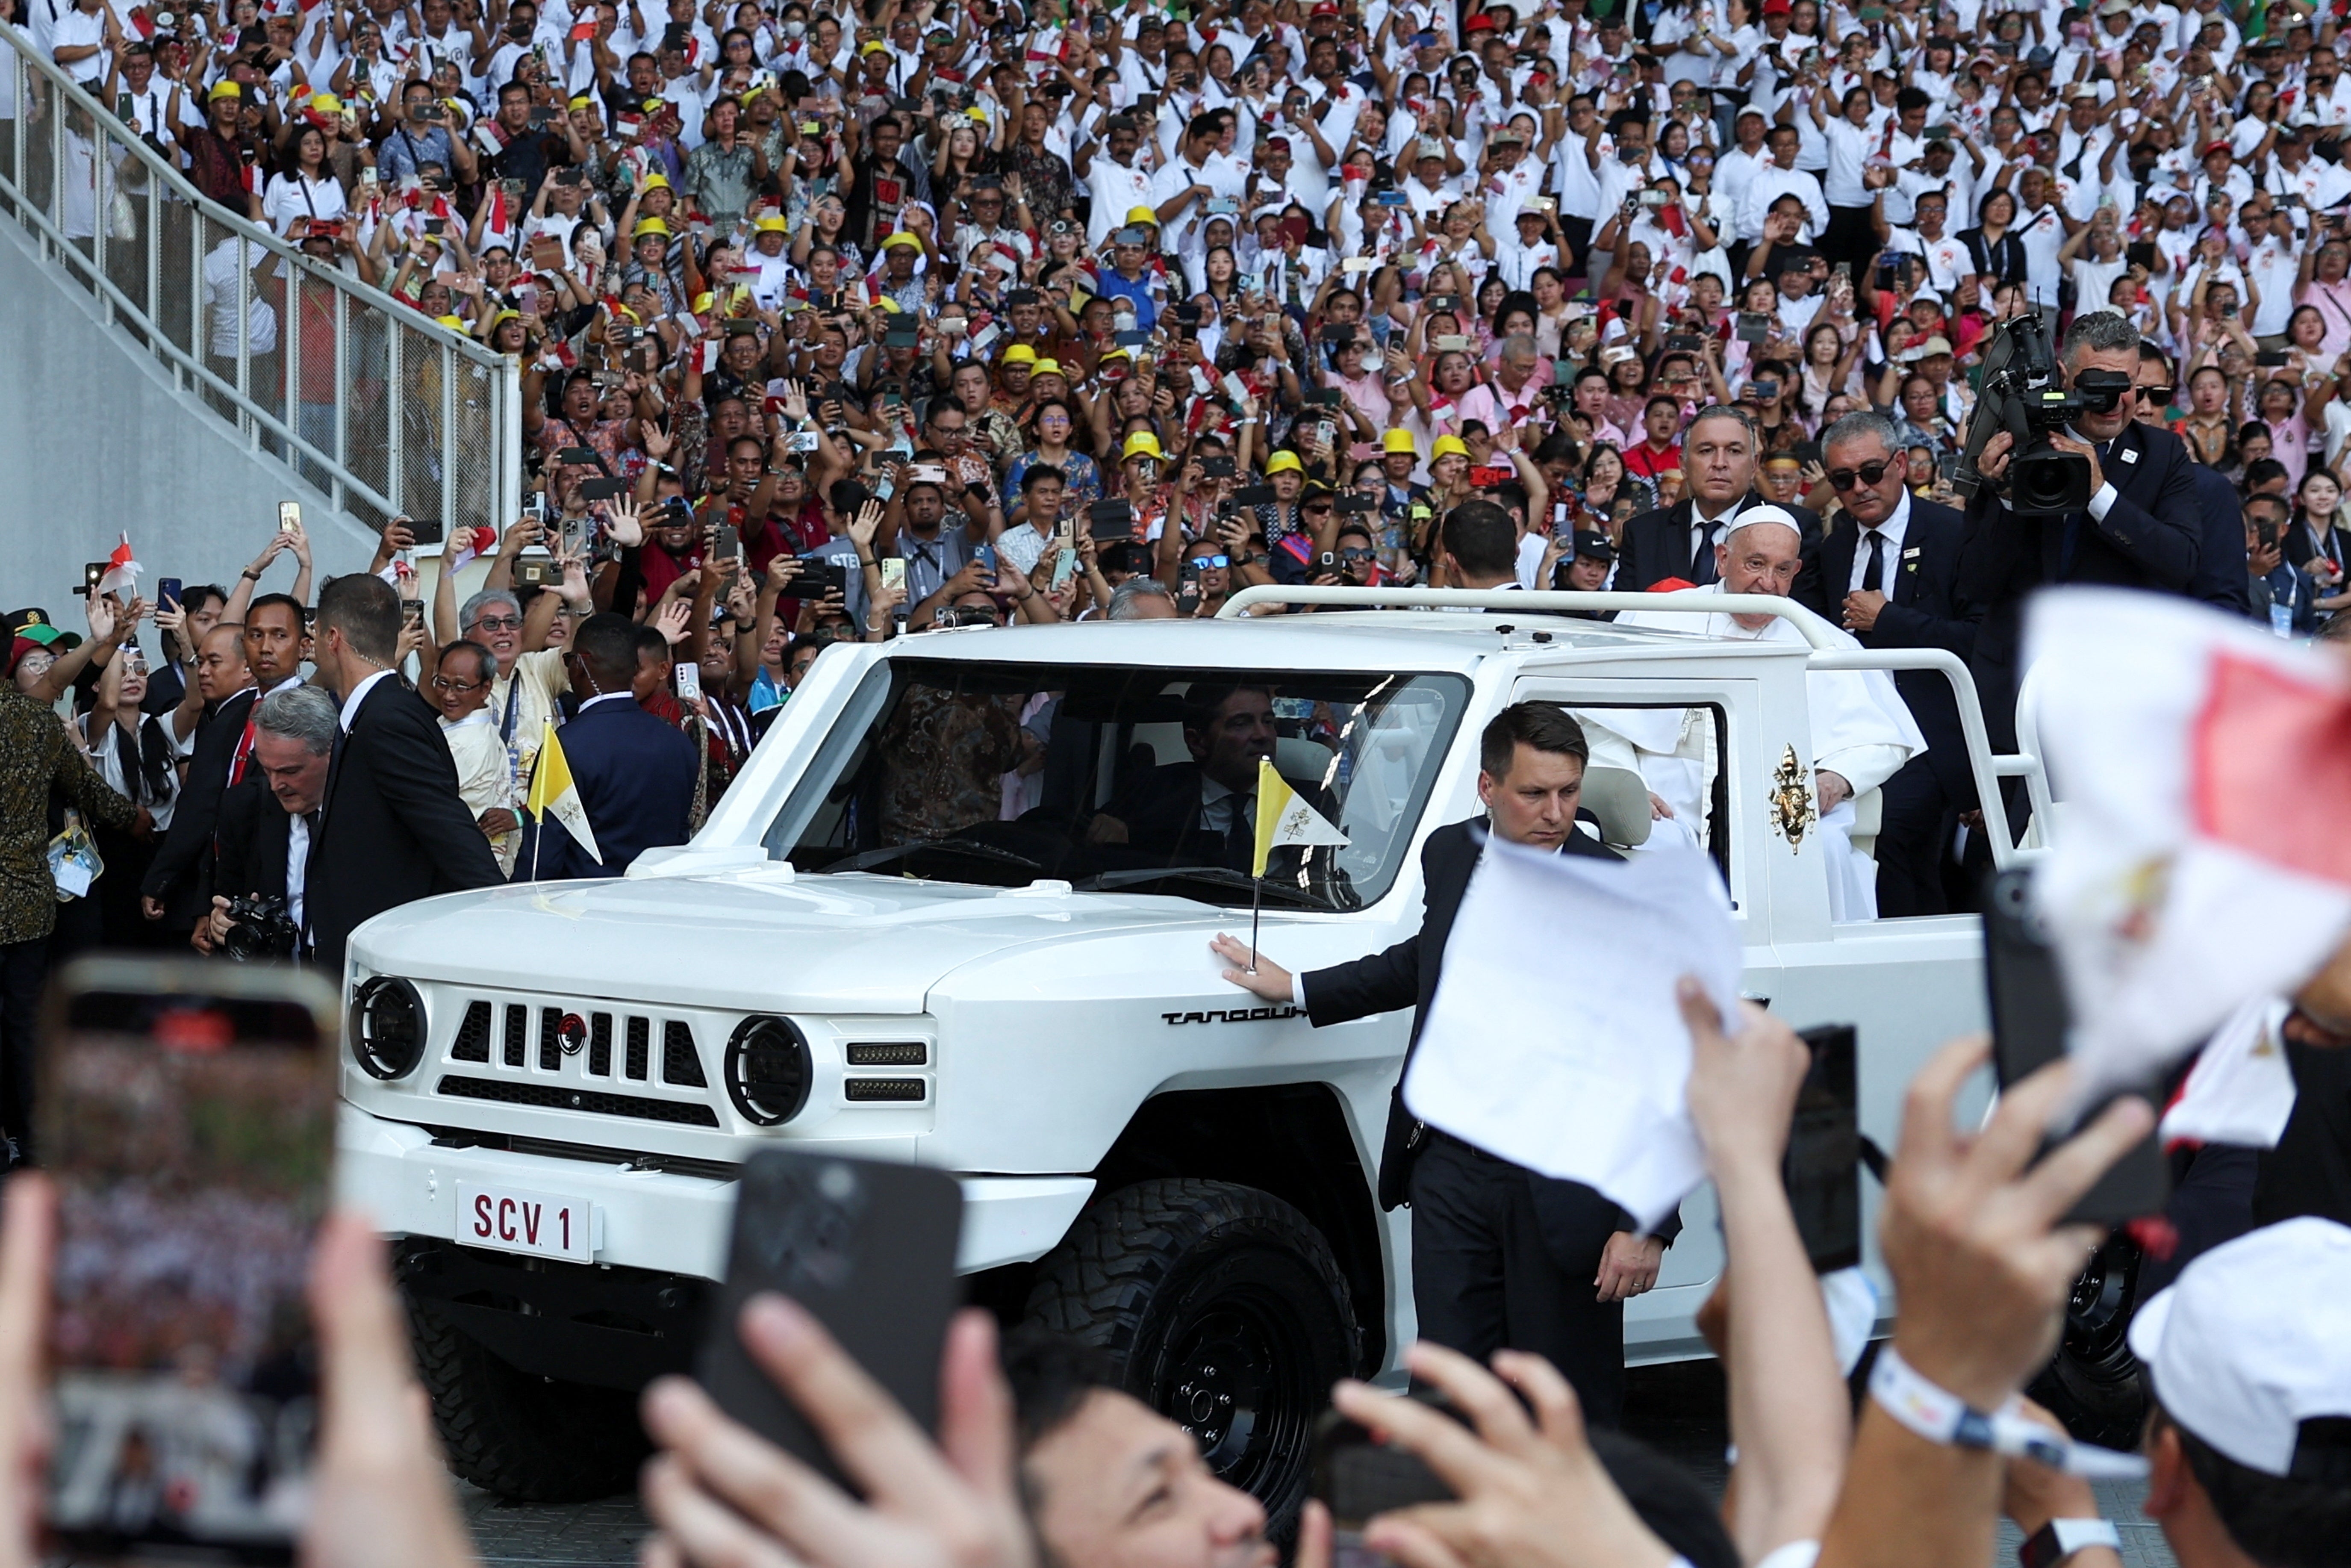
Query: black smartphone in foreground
1358, 1474
1109, 520
868, 1249
428, 531
1822, 1167
187, 1116
2029, 1019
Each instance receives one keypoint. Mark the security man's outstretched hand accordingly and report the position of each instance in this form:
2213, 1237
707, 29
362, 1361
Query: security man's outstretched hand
1271, 980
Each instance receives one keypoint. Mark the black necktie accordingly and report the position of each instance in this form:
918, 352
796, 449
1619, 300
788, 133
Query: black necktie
313, 817
1702, 556
1873, 573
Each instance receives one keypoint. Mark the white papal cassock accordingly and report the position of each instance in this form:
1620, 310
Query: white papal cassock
1861, 730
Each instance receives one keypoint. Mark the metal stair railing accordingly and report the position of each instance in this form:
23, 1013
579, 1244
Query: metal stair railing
387, 412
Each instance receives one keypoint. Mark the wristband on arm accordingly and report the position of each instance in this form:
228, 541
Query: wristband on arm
1939, 1416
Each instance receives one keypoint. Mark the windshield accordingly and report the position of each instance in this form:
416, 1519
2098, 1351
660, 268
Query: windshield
1113, 776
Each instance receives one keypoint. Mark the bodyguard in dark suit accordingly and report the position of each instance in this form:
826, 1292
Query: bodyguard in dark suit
394, 827
1720, 451
1501, 1256
1889, 575
178, 884
2142, 528
264, 654
635, 773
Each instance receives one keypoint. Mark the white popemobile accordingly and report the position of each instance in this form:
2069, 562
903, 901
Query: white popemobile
902, 935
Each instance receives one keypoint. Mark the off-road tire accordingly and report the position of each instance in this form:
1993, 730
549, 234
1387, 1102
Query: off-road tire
1223, 1308
2094, 1383
528, 1439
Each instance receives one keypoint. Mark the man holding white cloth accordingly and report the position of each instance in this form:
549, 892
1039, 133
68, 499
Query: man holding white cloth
1862, 733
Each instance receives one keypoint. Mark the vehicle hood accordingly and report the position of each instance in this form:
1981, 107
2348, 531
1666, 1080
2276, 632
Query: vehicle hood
756, 937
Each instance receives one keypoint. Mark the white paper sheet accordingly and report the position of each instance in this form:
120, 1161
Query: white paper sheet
1554, 1039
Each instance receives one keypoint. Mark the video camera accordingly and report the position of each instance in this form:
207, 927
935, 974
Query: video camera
2021, 394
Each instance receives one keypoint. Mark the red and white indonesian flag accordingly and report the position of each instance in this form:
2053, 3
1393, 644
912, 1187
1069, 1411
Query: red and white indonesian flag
2200, 767
469, 545
122, 569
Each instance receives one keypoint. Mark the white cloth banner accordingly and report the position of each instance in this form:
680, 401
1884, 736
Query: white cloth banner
2240, 1090
2198, 862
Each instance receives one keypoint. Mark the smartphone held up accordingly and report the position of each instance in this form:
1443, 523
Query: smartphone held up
187, 1117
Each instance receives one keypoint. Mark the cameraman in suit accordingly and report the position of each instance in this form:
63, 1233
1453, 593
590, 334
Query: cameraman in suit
1501, 1256
1720, 452
268, 822
2142, 527
1891, 579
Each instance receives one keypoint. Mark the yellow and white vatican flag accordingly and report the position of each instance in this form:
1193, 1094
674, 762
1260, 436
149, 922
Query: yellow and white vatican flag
552, 794
2197, 864
1283, 816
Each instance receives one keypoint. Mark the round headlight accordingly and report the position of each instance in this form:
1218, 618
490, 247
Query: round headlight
768, 1071
387, 1027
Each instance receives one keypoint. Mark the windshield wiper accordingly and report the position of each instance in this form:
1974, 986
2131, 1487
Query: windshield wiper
1216, 875
891, 853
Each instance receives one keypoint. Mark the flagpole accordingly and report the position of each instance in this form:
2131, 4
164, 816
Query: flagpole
1257, 897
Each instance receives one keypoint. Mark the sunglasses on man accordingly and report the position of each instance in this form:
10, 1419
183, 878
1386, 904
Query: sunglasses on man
1844, 480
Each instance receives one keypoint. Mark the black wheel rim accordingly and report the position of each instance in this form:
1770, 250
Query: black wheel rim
1237, 1367
2098, 1312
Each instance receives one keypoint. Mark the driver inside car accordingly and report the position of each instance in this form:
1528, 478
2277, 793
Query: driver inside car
1203, 812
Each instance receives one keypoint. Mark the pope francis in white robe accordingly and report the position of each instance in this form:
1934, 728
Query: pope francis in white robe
1862, 733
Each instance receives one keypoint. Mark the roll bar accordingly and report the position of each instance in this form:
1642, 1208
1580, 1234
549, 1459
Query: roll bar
1685, 602
1830, 651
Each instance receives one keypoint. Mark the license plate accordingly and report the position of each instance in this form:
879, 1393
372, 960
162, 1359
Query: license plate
514, 1219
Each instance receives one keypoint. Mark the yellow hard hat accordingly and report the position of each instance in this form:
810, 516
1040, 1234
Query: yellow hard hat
1398, 441
1142, 444
1448, 445
1283, 463
1019, 354
649, 226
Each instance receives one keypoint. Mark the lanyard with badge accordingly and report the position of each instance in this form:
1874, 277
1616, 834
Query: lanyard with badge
517, 781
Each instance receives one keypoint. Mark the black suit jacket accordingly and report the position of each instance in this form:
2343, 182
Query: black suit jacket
2149, 539
1405, 976
181, 873
636, 777
1924, 608
1657, 545
253, 836
2221, 577
1161, 809
394, 829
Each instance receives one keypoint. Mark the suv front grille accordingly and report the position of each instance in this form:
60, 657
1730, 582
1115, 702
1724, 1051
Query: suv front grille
521, 1055
589, 1100
680, 1065
473, 1041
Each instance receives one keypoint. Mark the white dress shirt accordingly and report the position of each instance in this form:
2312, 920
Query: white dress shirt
359, 695
1891, 531
297, 867
1708, 531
